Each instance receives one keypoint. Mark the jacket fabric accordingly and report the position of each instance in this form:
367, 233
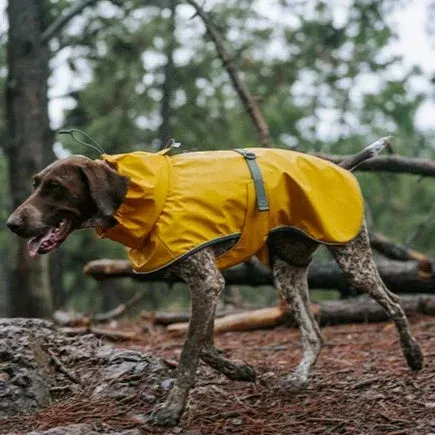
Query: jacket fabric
178, 204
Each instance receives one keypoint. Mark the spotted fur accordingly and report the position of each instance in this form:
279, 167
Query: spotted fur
290, 258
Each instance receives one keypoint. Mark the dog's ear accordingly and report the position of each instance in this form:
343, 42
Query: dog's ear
106, 186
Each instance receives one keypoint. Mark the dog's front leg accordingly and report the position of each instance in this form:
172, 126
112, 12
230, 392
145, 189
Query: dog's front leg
234, 370
205, 283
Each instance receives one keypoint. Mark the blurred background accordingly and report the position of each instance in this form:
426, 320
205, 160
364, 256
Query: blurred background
328, 76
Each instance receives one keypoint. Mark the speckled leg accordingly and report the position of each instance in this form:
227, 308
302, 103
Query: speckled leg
206, 284
212, 356
237, 371
292, 281
356, 260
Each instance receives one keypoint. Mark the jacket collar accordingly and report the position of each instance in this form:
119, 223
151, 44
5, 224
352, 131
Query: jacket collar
145, 198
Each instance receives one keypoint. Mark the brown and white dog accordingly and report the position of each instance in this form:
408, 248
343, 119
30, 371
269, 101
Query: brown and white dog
77, 192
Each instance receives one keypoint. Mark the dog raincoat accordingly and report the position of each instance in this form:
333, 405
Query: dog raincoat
178, 204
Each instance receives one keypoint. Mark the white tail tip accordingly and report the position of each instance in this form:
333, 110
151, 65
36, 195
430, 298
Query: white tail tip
376, 147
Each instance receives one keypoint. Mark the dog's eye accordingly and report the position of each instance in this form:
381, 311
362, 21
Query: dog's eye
53, 186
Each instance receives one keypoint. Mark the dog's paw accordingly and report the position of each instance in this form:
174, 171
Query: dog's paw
291, 383
241, 372
414, 356
165, 415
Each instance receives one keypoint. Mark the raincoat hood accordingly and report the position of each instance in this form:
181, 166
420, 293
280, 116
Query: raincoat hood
176, 205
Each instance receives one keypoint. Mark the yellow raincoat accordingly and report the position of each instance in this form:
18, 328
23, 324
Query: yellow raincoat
176, 205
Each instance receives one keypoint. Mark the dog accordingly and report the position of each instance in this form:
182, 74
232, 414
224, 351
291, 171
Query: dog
77, 192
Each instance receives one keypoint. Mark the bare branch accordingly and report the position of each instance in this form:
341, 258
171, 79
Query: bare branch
120, 309
422, 227
52, 30
240, 87
394, 251
396, 164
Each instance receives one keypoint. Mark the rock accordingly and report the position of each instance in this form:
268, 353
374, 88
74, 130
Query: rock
37, 358
25, 365
168, 384
80, 429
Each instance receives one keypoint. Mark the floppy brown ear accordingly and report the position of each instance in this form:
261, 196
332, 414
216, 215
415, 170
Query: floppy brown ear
106, 186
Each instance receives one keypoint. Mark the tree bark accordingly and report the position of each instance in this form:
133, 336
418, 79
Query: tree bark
55, 28
28, 138
400, 277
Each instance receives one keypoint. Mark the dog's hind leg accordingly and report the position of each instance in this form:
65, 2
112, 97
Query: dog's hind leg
292, 281
356, 261
205, 283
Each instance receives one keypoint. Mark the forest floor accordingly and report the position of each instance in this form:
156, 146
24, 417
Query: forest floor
360, 385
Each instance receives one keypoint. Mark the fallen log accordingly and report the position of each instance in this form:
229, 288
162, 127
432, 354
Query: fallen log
356, 310
256, 319
392, 250
165, 318
399, 276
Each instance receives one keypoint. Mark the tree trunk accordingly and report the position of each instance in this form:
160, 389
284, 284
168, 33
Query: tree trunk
28, 141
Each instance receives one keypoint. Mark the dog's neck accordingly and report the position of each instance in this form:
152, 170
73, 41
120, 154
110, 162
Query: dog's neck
102, 222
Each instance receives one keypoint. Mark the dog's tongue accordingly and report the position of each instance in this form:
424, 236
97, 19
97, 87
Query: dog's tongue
35, 243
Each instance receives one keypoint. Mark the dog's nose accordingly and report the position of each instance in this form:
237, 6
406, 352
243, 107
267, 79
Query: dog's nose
14, 222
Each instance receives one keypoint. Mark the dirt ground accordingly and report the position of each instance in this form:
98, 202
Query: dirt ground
361, 385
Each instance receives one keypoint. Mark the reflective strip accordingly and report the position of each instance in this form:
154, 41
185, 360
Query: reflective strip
254, 169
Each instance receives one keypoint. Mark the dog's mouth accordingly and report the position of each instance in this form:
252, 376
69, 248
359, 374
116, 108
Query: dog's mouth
50, 239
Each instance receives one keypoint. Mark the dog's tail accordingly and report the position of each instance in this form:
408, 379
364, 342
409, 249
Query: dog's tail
372, 150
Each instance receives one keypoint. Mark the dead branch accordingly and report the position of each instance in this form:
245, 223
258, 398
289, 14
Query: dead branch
357, 310
242, 90
399, 276
165, 318
392, 250
109, 333
395, 164
256, 319
119, 310
53, 29
112, 334
61, 367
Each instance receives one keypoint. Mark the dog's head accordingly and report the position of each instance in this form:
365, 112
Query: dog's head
69, 194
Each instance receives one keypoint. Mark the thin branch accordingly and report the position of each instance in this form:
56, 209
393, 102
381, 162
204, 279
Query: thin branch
168, 82
52, 30
240, 87
61, 367
421, 227
396, 164
120, 309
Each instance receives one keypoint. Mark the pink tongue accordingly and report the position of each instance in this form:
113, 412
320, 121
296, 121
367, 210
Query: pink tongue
35, 243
